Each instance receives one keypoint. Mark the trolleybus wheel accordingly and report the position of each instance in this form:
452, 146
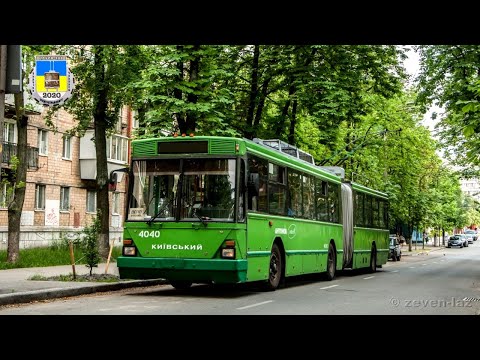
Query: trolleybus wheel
275, 269
373, 259
331, 263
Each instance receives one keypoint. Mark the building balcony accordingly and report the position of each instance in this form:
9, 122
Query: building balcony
117, 147
11, 149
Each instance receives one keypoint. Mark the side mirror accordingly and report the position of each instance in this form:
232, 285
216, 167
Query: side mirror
112, 184
114, 178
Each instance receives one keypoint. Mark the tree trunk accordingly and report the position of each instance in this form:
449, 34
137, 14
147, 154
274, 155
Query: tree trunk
192, 98
261, 104
15, 207
293, 123
177, 93
280, 125
249, 131
100, 123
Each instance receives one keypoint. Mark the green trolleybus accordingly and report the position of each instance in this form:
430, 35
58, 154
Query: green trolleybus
223, 210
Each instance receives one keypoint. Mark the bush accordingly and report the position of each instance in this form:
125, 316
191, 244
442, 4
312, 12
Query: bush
89, 245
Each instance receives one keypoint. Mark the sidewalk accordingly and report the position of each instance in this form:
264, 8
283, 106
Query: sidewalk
420, 250
16, 288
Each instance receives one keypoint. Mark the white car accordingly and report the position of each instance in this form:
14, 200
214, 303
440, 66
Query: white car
472, 233
467, 239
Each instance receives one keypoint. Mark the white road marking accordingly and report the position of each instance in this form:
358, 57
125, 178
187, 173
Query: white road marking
424, 264
328, 287
253, 305
411, 267
435, 262
394, 271
368, 277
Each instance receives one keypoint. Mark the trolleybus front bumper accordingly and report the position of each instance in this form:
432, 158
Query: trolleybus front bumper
194, 270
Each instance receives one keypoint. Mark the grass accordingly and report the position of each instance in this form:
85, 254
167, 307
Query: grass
47, 256
108, 278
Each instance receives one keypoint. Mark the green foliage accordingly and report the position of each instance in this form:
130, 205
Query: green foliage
10, 181
449, 78
262, 91
56, 254
38, 257
89, 244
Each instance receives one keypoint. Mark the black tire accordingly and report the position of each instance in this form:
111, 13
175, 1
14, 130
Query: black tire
373, 260
180, 284
394, 257
399, 257
331, 263
275, 271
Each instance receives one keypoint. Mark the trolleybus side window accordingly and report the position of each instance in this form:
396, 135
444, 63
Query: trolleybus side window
241, 192
294, 194
308, 191
321, 190
333, 202
367, 220
258, 179
277, 189
359, 213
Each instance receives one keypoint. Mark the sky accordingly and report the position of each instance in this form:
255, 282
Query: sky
412, 65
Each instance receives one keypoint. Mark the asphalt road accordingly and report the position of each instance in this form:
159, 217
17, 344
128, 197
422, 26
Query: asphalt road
444, 282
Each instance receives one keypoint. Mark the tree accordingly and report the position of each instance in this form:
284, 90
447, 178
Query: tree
89, 244
19, 162
449, 77
102, 74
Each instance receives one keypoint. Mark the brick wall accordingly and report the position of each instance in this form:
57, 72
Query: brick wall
55, 172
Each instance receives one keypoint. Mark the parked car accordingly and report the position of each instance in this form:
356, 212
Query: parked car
469, 238
465, 239
473, 233
395, 252
456, 240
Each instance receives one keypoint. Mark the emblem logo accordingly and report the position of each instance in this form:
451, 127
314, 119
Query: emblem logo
51, 82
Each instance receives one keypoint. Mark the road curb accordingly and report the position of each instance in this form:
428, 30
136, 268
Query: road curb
55, 293
425, 252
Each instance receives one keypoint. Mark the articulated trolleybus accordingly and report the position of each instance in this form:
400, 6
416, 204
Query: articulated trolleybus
226, 210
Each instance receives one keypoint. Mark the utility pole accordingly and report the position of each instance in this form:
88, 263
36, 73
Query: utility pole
3, 82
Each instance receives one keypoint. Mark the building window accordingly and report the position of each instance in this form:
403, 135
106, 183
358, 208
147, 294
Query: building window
117, 148
116, 203
64, 198
6, 194
91, 201
135, 120
67, 145
118, 125
9, 132
40, 197
42, 142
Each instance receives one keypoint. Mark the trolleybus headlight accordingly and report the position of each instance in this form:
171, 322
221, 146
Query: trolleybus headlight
228, 253
129, 251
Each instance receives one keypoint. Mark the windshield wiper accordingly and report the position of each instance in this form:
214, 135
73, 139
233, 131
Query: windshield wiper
203, 219
162, 209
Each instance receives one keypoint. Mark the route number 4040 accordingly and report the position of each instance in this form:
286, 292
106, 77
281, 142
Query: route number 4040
149, 233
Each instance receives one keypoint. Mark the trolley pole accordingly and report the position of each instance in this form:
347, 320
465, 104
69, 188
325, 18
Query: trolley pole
3, 83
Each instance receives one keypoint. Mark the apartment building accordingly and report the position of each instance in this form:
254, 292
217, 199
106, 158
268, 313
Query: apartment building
60, 197
471, 187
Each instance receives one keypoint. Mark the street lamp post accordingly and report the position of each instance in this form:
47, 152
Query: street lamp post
3, 82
